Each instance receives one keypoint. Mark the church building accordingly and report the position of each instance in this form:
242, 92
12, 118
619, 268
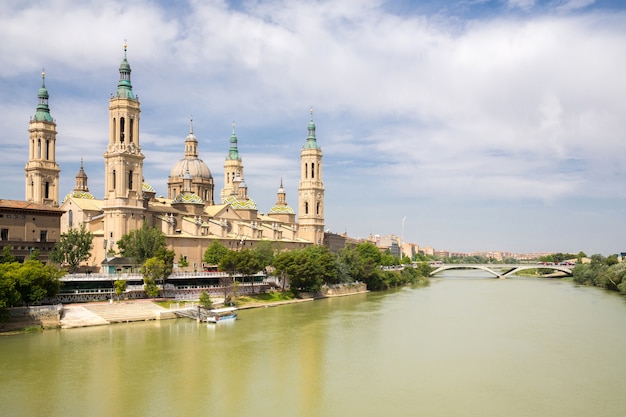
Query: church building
189, 216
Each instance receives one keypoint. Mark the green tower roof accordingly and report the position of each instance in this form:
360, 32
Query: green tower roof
233, 152
311, 141
43, 111
124, 87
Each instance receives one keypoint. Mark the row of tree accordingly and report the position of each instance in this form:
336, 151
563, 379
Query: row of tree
603, 272
307, 269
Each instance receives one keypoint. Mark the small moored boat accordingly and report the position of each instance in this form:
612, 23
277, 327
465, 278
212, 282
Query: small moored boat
222, 314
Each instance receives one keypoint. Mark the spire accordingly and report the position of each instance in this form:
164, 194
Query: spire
43, 111
311, 142
281, 196
124, 87
191, 143
233, 153
81, 179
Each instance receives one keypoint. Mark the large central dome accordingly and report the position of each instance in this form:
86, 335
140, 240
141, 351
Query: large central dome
196, 167
193, 168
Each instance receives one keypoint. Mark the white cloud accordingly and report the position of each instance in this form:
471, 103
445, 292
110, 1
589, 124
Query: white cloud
500, 108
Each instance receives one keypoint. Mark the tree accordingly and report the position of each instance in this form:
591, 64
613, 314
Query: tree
152, 270
34, 254
120, 287
167, 256
228, 263
265, 253
248, 264
73, 247
312, 267
7, 256
214, 253
282, 264
141, 244
205, 300
9, 295
35, 281
182, 262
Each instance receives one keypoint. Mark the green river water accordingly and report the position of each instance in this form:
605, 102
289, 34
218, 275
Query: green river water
459, 347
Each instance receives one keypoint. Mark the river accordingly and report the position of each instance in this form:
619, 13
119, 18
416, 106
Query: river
459, 347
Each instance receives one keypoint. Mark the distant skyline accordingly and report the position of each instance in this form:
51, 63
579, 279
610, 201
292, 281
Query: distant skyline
490, 125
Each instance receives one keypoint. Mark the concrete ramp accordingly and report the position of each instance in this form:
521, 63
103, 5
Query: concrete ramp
76, 316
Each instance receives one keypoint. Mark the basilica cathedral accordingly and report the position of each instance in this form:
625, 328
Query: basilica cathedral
190, 217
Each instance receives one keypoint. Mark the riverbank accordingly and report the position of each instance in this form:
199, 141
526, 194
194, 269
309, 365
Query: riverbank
126, 311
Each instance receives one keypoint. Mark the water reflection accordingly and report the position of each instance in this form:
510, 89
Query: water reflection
459, 347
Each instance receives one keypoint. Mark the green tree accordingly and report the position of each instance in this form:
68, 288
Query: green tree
205, 300
35, 281
249, 264
228, 264
282, 265
120, 286
312, 267
167, 256
34, 254
387, 259
73, 247
141, 244
214, 253
265, 252
7, 256
182, 262
9, 295
152, 271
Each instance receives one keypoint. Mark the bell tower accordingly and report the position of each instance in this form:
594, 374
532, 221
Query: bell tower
233, 169
311, 190
42, 171
123, 161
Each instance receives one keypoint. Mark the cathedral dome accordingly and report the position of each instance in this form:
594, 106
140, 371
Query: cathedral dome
196, 167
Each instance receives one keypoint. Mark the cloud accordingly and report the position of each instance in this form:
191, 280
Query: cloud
500, 107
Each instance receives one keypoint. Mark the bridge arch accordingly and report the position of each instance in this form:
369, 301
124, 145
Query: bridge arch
503, 271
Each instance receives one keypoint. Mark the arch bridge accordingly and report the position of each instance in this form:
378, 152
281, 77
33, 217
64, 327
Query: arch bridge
503, 271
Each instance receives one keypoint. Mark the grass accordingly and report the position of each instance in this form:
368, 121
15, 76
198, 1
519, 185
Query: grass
266, 298
270, 297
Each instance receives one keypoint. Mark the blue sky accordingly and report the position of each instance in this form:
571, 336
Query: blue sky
489, 125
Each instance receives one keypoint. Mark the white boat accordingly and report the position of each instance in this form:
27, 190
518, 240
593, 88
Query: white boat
222, 314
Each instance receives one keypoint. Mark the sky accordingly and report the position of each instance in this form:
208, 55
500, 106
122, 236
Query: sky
462, 125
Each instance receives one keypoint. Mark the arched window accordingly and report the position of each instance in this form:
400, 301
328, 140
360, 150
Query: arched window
132, 123
130, 180
47, 149
70, 218
317, 208
114, 125
38, 148
122, 126
312, 169
114, 178
306, 207
46, 189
